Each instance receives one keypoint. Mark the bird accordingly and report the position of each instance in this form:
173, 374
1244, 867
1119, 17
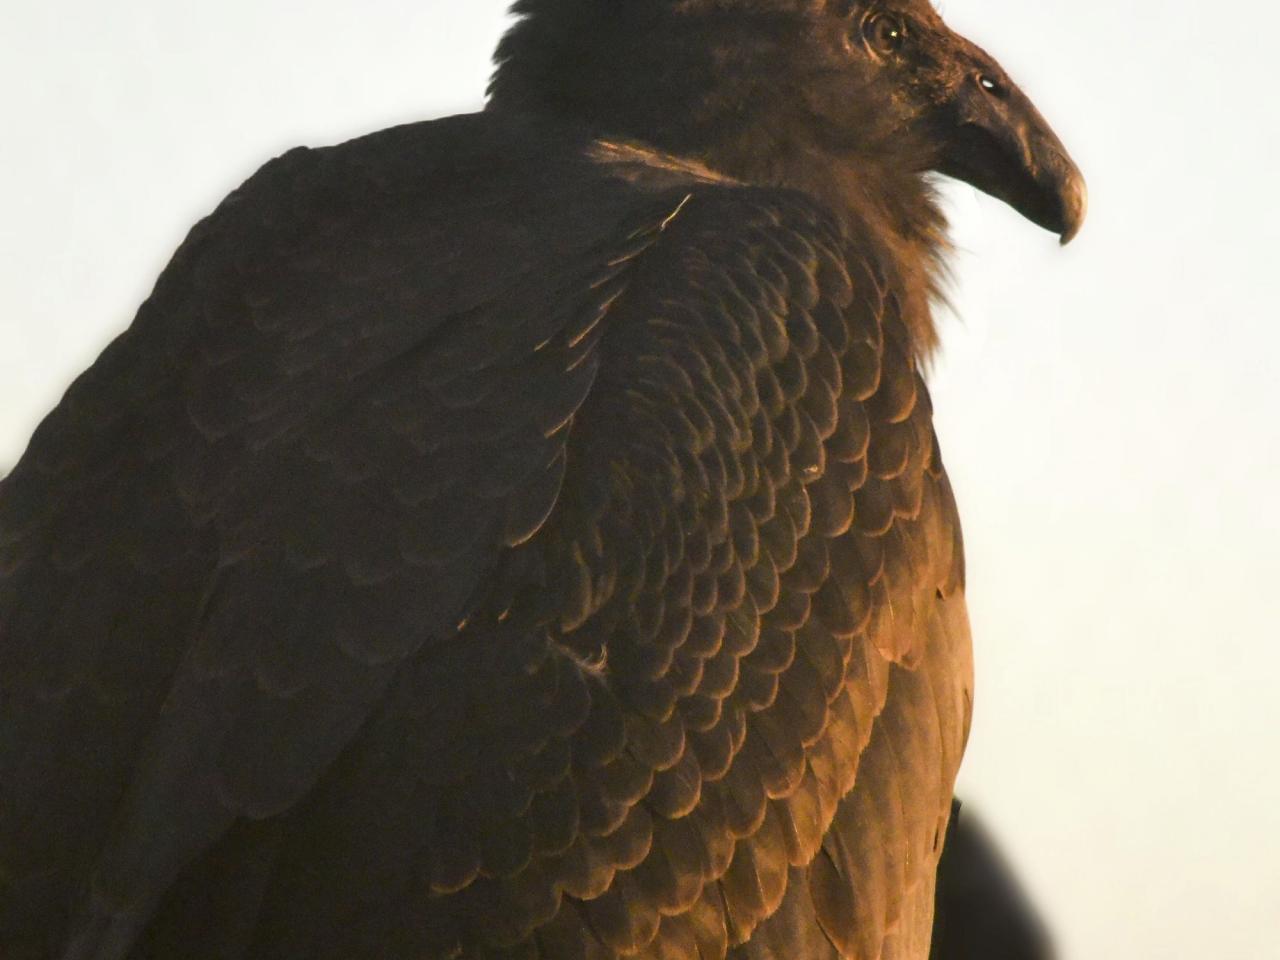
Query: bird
523, 534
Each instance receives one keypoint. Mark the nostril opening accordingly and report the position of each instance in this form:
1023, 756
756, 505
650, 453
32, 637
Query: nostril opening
991, 85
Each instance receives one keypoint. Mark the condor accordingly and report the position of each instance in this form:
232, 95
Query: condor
523, 535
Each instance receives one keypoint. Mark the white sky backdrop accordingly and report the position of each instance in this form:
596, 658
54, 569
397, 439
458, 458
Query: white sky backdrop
1109, 412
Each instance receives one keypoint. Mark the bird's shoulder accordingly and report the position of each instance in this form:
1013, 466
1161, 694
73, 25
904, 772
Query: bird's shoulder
514, 188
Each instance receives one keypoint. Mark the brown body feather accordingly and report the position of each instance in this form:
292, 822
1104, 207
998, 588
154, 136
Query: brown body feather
604, 603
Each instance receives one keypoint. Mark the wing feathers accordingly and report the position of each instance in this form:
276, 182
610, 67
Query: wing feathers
584, 604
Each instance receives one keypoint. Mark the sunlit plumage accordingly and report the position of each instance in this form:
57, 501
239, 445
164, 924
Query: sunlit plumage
522, 534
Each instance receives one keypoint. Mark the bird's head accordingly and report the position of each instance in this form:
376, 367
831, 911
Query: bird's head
855, 97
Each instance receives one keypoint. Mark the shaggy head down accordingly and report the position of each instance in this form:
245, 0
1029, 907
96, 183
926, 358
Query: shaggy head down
851, 100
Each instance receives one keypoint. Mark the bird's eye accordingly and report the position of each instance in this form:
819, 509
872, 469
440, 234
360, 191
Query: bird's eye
884, 33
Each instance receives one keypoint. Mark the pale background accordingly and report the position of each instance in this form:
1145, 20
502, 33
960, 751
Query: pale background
1109, 412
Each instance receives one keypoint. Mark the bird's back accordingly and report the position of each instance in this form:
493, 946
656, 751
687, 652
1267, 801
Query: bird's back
486, 539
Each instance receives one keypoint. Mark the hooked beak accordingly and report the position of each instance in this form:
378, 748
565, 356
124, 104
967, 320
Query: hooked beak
996, 140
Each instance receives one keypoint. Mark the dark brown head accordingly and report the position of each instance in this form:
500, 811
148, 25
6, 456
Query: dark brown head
855, 96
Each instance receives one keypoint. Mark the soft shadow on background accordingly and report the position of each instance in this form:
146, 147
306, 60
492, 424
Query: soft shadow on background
1110, 413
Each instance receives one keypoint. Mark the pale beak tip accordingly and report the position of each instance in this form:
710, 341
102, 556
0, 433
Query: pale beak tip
1075, 207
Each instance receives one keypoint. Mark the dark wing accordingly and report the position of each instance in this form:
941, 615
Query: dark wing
777, 581
716, 705
613, 611
348, 393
